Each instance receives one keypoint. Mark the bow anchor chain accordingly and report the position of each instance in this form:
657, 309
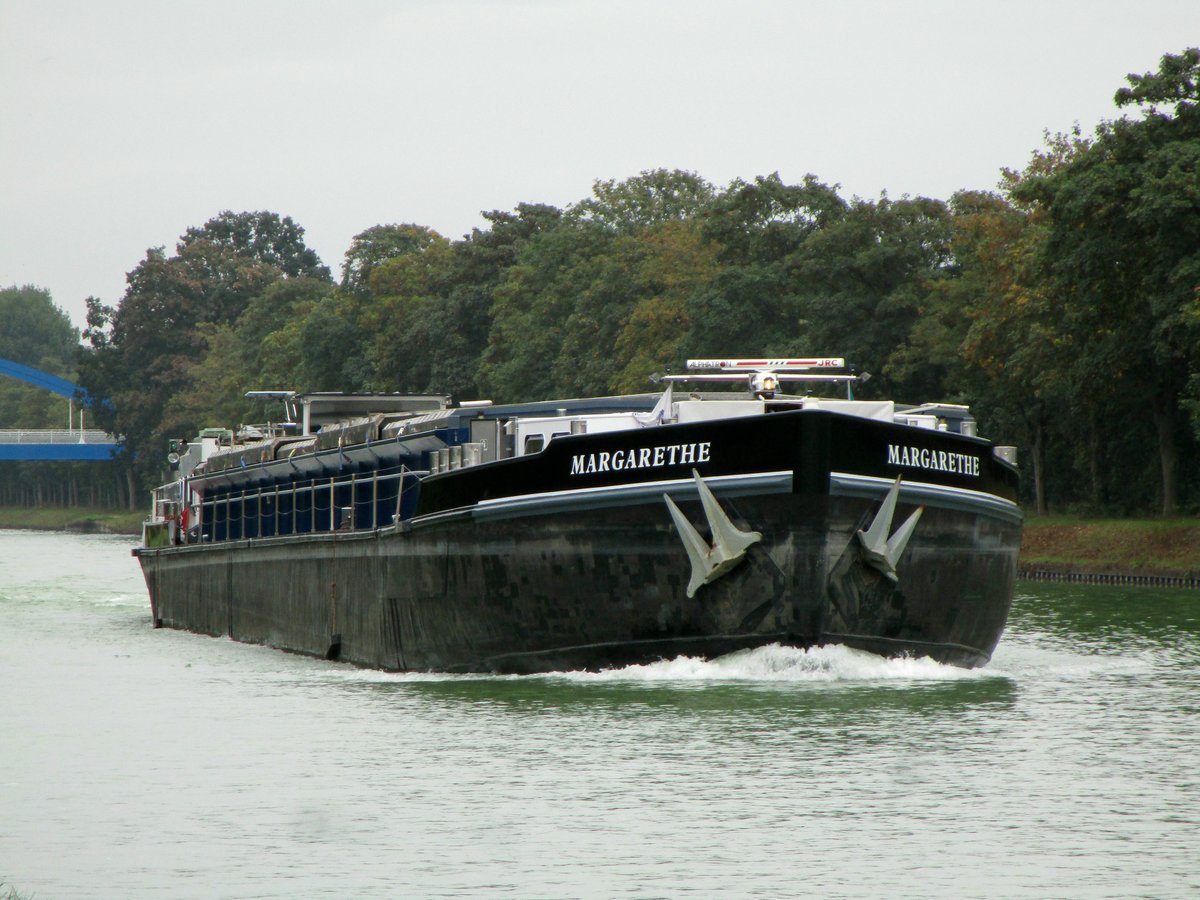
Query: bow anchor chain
729, 543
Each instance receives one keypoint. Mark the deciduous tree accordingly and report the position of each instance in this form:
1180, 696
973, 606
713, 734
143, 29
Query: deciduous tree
1123, 250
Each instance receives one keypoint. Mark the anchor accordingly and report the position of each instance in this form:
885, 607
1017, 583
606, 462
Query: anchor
882, 552
710, 562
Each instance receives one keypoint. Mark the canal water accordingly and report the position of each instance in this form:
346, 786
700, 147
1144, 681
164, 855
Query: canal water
141, 763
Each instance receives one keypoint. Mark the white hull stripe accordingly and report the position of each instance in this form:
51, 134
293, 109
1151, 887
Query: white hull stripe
841, 484
844, 484
620, 495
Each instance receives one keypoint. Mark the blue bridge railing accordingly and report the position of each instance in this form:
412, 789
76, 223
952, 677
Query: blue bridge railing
30, 444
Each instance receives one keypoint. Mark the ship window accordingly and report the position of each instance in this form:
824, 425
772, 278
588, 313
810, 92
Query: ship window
534, 443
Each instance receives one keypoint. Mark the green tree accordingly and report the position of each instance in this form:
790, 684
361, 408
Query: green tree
452, 333
1123, 252
214, 385
752, 304
654, 197
1002, 325
264, 237
569, 311
376, 245
551, 277
148, 350
34, 332
863, 281
672, 262
761, 222
329, 346
282, 303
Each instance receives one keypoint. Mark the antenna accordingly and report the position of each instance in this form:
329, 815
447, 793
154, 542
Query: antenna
288, 398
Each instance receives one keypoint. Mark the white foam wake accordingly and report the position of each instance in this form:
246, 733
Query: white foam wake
777, 663
773, 663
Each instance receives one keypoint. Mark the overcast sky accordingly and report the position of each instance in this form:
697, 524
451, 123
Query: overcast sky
124, 123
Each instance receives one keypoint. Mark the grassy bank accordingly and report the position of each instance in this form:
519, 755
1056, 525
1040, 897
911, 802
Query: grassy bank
80, 518
1117, 546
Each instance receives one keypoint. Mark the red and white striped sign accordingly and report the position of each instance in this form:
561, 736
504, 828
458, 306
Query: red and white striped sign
774, 365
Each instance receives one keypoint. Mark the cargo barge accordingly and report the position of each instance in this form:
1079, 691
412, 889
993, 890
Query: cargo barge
409, 532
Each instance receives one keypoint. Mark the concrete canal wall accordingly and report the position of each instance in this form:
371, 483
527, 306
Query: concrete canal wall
1033, 573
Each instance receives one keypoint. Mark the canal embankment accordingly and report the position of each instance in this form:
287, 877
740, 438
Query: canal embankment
1151, 552
80, 520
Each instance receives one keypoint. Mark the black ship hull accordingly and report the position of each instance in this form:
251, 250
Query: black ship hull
565, 561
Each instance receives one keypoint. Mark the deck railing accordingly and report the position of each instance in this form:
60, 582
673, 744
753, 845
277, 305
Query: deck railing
40, 436
350, 502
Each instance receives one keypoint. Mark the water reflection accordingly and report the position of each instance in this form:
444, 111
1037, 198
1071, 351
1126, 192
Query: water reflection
1095, 618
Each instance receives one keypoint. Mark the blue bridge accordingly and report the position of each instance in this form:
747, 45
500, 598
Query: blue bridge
70, 444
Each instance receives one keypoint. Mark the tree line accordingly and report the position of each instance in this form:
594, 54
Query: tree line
1064, 306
